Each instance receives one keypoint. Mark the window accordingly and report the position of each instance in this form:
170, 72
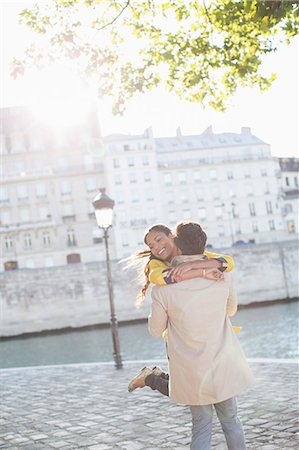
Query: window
186, 214
149, 195
124, 240
5, 218
147, 176
89, 162
182, 178
230, 175
119, 197
167, 179
4, 194
199, 194
71, 238
247, 173
131, 162
271, 225
145, 161
213, 174
135, 196
41, 190
43, 213
287, 181
169, 197
216, 193
97, 236
121, 218
22, 192
263, 172
46, 238
184, 197
252, 209
296, 181
118, 179
126, 147
202, 213
116, 163
255, 227
269, 207
67, 209
91, 184
8, 243
132, 178
65, 187
249, 189
172, 217
8, 143
27, 240
24, 215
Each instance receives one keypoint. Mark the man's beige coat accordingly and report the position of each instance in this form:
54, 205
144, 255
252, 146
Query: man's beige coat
206, 362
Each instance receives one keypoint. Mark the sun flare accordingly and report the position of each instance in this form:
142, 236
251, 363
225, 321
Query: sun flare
58, 96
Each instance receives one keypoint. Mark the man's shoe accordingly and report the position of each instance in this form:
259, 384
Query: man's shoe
139, 380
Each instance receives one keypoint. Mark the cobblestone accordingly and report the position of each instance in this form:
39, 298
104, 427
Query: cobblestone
87, 406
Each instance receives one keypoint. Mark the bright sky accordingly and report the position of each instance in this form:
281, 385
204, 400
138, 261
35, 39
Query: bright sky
273, 116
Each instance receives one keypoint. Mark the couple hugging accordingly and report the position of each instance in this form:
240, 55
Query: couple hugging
192, 300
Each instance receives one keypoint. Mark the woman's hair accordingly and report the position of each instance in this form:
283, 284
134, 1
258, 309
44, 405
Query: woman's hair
147, 254
190, 238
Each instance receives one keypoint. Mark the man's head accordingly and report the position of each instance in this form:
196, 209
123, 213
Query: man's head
190, 238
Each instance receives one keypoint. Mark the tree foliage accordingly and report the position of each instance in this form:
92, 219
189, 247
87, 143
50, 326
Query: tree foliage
202, 51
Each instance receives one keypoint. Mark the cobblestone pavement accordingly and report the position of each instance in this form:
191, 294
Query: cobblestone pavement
87, 406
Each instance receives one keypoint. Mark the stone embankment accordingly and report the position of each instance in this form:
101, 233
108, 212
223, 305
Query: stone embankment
76, 295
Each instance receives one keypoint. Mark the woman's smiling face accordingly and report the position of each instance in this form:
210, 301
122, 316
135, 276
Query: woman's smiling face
161, 245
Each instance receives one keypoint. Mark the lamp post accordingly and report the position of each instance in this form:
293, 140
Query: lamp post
103, 206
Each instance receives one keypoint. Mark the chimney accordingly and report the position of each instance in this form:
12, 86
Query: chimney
245, 130
179, 132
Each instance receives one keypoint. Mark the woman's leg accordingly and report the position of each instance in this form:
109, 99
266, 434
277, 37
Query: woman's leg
230, 423
202, 420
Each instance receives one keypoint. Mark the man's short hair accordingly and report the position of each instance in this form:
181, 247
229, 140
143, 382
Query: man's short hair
190, 238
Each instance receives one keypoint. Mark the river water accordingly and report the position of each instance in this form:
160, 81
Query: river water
267, 332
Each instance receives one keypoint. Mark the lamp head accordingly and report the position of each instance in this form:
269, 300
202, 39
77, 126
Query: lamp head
103, 206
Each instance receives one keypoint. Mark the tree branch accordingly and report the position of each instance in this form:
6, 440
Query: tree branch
115, 18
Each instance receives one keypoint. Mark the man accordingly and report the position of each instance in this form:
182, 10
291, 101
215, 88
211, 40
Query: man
207, 367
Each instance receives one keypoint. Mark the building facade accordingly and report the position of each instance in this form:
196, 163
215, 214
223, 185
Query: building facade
289, 192
228, 182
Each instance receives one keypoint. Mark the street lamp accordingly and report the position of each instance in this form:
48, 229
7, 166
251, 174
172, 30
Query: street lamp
103, 206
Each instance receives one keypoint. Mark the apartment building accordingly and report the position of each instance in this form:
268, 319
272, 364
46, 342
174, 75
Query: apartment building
229, 182
289, 192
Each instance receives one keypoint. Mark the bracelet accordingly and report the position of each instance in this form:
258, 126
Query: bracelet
204, 273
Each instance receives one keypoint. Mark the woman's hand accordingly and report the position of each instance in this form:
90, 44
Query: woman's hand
214, 274
177, 272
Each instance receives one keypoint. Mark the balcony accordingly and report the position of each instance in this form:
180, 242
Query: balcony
69, 218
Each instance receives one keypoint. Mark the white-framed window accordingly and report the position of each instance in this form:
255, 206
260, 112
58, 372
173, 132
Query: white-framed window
41, 190
121, 218
43, 212
271, 224
27, 240
91, 184
119, 197
118, 179
46, 238
249, 189
182, 178
252, 209
65, 187
287, 181
131, 162
24, 215
71, 238
169, 196
172, 217
124, 240
132, 178
135, 196
145, 160
22, 191
202, 213
116, 163
5, 218
184, 197
216, 192
213, 174
8, 243
230, 175
296, 181
149, 195
269, 207
4, 194
186, 214
199, 194
167, 179
255, 227
67, 209
147, 176
89, 162
263, 172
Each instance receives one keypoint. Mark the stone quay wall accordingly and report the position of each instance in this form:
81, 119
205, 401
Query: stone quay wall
76, 295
